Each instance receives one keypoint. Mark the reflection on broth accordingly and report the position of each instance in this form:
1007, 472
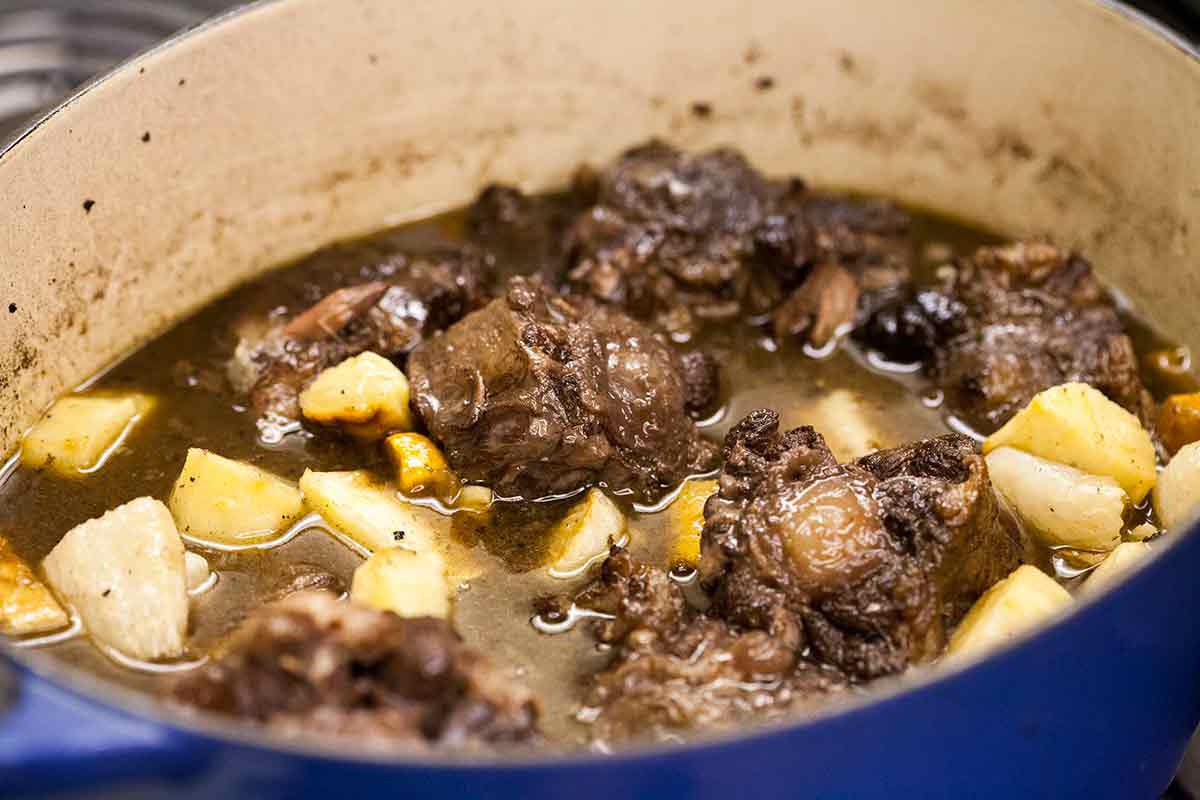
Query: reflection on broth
668, 635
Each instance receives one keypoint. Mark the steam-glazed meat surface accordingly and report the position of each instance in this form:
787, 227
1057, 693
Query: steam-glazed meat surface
400, 301
676, 668
312, 664
818, 574
537, 394
529, 230
873, 561
680, 239
1006, 324
574, 433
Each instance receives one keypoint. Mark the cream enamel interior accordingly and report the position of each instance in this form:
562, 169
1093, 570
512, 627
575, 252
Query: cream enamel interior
302, 121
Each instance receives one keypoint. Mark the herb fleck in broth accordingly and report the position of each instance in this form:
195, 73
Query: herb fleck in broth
185, 367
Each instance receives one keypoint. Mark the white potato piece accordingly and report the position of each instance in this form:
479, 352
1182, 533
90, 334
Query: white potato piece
228, 503
1061, 505
842, 418
403, 581
585, 534
366, 395
1126, 556
1075, 424
26, 604
685, 521
1024, 600
124, 574
79, 431
197, 570
1177, 495
369, 511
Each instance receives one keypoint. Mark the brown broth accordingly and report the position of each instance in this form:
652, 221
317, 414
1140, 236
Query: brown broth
183, 369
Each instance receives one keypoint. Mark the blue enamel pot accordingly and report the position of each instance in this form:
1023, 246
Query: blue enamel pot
294, 123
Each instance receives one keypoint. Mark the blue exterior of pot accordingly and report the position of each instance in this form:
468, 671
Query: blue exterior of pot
1100, 705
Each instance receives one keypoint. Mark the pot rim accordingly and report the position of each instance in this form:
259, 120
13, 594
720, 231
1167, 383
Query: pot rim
926, 679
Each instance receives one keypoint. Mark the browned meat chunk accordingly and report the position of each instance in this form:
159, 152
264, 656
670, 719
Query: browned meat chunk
680, 239
874, 560
676, 668
312, 664
853, 254
701, 382
536, 394
817, 574
1008, 323
407, 299
525, 230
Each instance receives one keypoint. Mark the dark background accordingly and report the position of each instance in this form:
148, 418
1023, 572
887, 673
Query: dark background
50, 47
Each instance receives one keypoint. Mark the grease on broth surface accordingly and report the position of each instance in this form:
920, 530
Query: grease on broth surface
184, 369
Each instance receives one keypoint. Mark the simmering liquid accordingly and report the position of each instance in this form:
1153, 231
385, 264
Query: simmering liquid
493, 610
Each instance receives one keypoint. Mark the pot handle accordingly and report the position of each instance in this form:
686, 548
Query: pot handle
52, 739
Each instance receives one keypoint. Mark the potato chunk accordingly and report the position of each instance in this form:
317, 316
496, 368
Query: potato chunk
843, 419
124, 573
1177, 495
585, 534
1075, 424
79, 431
1142, 532
369, 512
421, 469
1060, 504
26, 605
400, 580
1025, 599
1179, 421
230, 503
366, 395
474, 499
1126, 556
685, 519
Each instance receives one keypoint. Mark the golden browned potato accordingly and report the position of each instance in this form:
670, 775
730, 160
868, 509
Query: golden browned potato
367, 396
585, 534
403, 581
26, 604
421, 469
1177, 495
1025, 599
370, 512
1142, 532
474, 499
226, 502
685, 520
124, 572
1076, 425
79, 431
1179, 421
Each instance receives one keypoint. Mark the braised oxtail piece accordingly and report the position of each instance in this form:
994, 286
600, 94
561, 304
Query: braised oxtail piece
314, 665
818, 575
1007, 323
538, 394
